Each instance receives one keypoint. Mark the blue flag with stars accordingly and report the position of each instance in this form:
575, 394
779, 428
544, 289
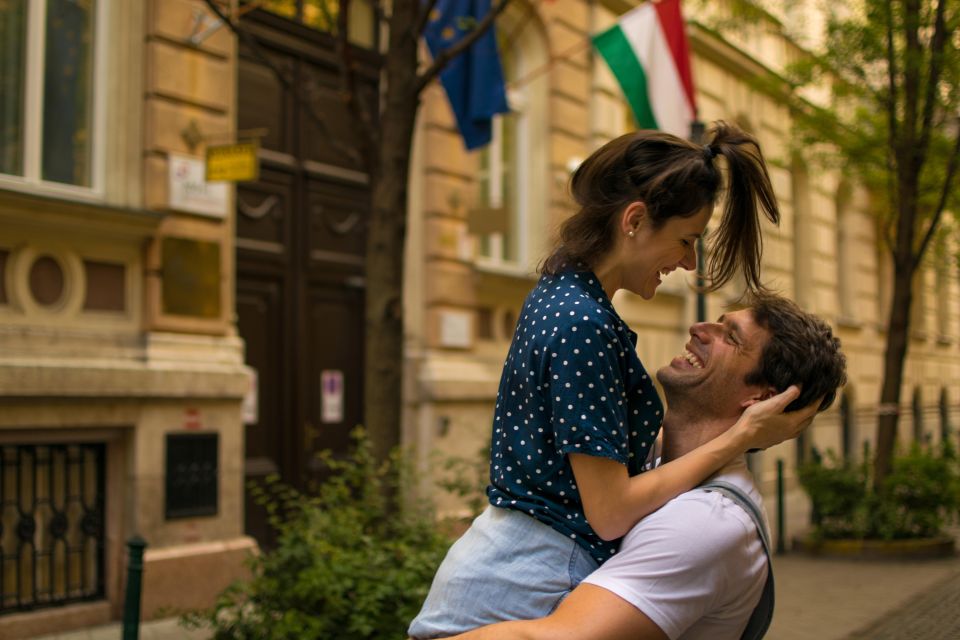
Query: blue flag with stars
474, 79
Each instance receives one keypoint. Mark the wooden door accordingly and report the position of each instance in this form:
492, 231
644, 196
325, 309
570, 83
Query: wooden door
300, 255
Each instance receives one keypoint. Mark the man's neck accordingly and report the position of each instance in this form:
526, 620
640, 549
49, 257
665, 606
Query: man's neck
685, 431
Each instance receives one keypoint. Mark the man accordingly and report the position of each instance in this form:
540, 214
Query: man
696, 568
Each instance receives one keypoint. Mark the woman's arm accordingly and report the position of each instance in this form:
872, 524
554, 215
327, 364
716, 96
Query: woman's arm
613, 501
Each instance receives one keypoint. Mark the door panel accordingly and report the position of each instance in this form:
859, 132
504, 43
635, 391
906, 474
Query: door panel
336, 329
300, 254
259, 320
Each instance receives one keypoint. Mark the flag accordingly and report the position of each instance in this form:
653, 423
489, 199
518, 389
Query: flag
648, 53
474, 79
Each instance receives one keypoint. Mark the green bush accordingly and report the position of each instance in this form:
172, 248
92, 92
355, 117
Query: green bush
353, 559
919, 497
838, 492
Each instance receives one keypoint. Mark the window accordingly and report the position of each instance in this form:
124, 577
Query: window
47, 89
846, 254
803, 241
945, 429
917, 406
848, 427
511, 202
322, 15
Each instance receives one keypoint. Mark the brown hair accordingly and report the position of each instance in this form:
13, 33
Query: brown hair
672, 177
802, 350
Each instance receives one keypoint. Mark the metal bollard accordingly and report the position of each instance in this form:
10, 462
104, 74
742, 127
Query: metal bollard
131, 600
781, 546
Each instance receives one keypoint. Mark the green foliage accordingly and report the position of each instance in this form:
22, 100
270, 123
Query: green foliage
353, 559
467, 478
838, 492
888, 118
916, 500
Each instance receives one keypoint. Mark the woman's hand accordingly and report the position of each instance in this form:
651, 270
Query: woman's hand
764, 424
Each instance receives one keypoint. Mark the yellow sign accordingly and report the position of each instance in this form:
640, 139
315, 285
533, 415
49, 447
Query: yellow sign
233, 162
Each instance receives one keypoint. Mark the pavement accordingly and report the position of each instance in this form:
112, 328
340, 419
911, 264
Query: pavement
816, 599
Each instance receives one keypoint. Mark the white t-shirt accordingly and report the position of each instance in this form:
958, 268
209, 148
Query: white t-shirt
696, 567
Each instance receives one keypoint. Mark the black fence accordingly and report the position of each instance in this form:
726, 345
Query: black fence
51, 524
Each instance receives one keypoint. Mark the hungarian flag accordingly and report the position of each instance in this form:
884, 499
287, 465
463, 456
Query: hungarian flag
648, 53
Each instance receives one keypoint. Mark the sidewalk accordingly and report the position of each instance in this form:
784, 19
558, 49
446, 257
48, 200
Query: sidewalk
817, 599
827, 599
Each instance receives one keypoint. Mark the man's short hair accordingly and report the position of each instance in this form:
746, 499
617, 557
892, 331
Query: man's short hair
802, 350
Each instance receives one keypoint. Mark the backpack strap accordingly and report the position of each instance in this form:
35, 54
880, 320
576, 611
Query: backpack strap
763, 613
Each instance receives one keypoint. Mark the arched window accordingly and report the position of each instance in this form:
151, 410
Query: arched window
846, 254
917, 407
946, 431
848, 427
943, 316
803, 248
512, 174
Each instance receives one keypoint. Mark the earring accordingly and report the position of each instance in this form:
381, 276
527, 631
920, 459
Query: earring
631, 233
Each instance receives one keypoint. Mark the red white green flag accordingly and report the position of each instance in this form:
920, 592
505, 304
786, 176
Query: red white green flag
648, 53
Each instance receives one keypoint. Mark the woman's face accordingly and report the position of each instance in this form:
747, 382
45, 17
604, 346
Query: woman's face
650, 253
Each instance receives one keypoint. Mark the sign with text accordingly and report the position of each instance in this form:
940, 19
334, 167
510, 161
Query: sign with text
331, 397
189, 190
233, 162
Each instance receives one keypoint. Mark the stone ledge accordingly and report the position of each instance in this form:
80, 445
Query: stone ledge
915, 549
191, 576
54, 619
120, 379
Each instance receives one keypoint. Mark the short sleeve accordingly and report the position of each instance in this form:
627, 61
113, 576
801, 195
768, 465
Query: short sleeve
586, 388
677, 576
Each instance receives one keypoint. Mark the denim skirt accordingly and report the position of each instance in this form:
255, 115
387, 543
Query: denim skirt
507, 566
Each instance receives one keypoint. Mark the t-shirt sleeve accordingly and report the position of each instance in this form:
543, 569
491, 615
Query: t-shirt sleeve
586, 388
689, 560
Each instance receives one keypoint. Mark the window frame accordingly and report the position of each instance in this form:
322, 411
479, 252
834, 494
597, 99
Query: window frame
527, 209
35, 56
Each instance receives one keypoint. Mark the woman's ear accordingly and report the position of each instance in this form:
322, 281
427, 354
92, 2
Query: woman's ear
633, 218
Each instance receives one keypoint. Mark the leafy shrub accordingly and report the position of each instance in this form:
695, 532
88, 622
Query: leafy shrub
916, 500
353, 561
838, 493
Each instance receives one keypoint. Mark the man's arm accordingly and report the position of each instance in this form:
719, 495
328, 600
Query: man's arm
588, 613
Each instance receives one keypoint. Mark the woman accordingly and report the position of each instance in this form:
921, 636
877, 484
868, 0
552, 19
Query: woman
576, 411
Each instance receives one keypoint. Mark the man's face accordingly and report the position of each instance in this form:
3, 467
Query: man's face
715, 363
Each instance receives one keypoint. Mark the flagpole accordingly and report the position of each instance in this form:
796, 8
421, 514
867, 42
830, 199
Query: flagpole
696, 135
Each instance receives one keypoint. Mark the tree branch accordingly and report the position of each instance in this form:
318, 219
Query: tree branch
258, 52
937, 44
944, 195
357, 111
911, 80
444, 57
426, 9
893, 142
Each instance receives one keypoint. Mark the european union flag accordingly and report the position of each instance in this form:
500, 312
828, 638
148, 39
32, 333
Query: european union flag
474, 79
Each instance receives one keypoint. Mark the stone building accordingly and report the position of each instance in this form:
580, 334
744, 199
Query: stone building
121, 372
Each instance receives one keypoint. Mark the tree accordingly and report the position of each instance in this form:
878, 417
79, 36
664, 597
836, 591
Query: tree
894, 118
385, 133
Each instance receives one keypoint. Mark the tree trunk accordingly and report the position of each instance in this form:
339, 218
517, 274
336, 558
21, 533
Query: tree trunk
898, 337
383, 358
898, 327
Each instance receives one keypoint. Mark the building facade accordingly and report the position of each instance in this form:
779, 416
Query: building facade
121, 372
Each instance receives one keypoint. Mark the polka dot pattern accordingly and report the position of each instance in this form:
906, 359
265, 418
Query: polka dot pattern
572, 383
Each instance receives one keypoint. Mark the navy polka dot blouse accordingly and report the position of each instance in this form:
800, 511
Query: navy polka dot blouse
572, 383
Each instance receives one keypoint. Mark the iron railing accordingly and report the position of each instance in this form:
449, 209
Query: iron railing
52, 499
